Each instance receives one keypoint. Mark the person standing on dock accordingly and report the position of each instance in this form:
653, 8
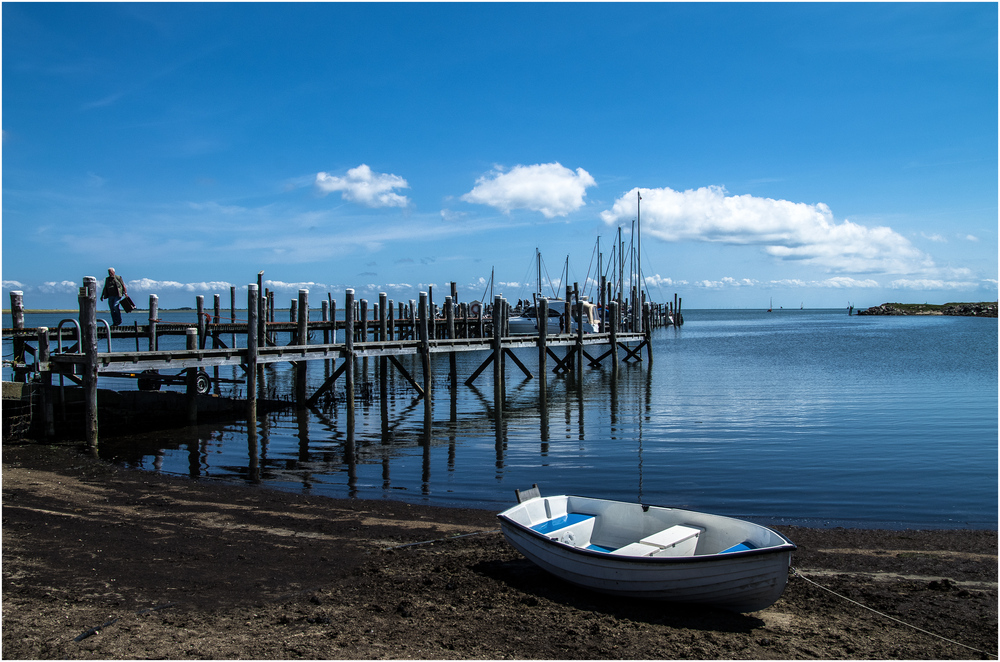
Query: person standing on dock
114, 290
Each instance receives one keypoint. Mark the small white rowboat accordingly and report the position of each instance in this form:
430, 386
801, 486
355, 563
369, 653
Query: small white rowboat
652, 552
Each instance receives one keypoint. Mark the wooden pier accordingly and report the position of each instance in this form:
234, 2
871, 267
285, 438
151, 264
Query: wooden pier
75, 353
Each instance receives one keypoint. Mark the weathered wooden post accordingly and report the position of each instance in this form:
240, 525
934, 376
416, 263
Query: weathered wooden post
232, 312
384, 313
154, 311
88, 345
392, 323
191, 335
363, 323
261, 314
48, 416
567, 315
253, 308
302, 333
17, 323
497, 353
432, 326
200, 307
579, 331
17, 309
349, 357
425, 344
615, 318
217, 309
542, 313
648, 331
325, 316
449, 314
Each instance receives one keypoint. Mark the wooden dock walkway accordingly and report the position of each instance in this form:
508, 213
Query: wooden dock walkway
74, 354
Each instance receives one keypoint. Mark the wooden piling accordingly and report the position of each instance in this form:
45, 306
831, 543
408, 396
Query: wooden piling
648, 333
349, 354
17, 322
88, 346
45, 375
200, 306
154, 311
497, 354
542, 312
302, 338
191, 378
425, 349
614, 319
253, 308
449, 313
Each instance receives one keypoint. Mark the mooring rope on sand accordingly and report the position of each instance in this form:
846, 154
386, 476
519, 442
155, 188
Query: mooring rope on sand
798, 573
427, 542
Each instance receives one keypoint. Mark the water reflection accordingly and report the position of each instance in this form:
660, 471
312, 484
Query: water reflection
715, 409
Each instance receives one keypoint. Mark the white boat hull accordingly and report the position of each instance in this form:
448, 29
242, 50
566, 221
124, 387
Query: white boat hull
741, 581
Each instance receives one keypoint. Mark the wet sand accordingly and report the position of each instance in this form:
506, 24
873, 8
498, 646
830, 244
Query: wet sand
101, 562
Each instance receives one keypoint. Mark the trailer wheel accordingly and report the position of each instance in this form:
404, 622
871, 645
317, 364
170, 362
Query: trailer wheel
202, 383
151, 383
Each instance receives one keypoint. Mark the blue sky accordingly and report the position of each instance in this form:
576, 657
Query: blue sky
814, 154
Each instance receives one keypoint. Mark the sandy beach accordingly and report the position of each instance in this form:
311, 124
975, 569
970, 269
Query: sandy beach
101, 562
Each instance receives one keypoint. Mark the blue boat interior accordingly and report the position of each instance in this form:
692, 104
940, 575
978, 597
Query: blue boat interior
575, 529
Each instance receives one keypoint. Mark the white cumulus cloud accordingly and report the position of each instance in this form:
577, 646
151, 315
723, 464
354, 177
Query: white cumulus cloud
786, 230
365, 187
549, 188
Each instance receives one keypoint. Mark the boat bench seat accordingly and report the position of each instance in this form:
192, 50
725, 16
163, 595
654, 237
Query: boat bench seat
677, 540
572, 529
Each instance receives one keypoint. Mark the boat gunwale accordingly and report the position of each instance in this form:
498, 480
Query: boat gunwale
786, 546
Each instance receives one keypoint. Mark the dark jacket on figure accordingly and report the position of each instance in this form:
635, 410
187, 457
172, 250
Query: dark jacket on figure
114, 286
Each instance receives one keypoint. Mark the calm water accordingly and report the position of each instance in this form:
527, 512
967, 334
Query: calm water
809, 417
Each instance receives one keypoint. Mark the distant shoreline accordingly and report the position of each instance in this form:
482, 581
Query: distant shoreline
980, 309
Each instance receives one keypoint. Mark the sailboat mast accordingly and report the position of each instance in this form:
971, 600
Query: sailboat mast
638, 258
538, 267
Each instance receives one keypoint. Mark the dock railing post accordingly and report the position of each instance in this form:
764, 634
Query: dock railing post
88, 345
253, 308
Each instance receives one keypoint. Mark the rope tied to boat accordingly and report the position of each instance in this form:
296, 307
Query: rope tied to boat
798, 573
